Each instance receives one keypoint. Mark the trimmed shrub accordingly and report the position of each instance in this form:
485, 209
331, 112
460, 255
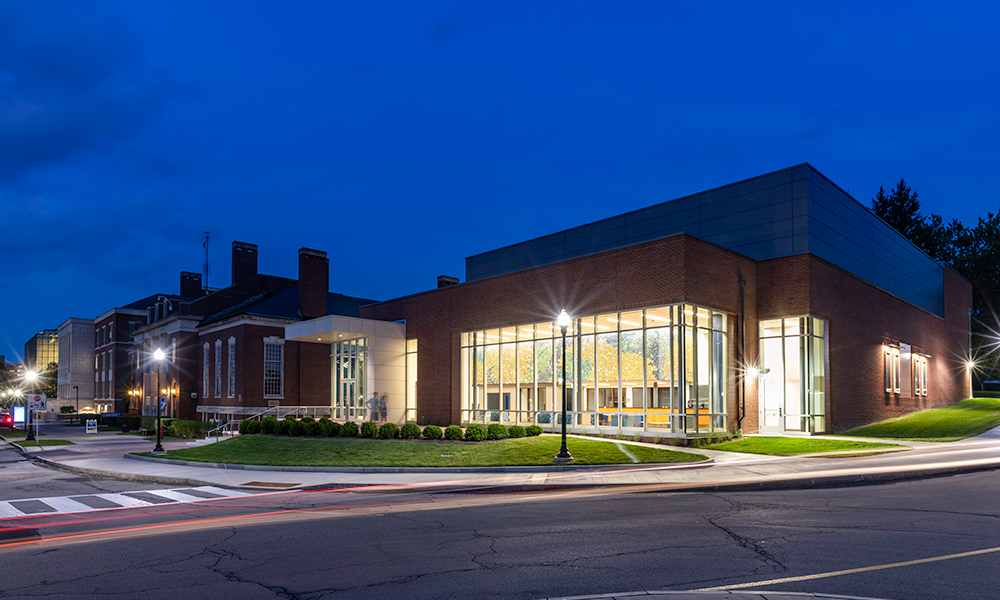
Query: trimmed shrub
149, 424
313, 428
475, 433
307, 419
389, 431
251, 427
369, 429
453, 432
243, 427
410, 431
268, 425
533, 430
331, 428
496, 431
516, 431
349, 429
433, 432
284, 427
187, 429
298, 429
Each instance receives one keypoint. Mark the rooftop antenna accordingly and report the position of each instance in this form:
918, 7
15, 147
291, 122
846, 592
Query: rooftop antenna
206, 267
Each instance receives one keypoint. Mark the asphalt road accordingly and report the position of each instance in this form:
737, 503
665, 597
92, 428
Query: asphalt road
368, 544
21, 478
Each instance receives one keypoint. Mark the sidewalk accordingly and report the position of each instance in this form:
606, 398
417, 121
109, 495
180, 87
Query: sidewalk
104, 454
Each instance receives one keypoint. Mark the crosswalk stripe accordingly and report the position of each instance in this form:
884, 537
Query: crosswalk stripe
68, 504
65, 505
123, 500
178, 496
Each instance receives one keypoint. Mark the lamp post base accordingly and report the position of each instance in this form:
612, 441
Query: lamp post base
563, 457
159, 450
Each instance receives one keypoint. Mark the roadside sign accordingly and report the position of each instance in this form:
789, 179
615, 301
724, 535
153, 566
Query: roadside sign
20, 414
36, 402
91, 425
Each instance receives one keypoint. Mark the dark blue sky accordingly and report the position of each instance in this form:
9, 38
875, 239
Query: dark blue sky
401, 137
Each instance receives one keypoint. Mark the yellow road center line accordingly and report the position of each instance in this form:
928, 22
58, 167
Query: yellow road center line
847, 571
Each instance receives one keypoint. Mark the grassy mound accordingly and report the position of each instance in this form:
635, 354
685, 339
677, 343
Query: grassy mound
947, 424
787, 446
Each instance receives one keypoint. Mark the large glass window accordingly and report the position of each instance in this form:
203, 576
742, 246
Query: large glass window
349, 381
218, 368
273, 370
231, 389
662, 368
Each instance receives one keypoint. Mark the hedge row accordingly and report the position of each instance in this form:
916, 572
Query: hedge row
307, 426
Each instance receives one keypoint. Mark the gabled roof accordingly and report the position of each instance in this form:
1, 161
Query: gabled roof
285, 305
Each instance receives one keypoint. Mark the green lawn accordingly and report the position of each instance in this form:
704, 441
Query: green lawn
787, 446
47, 443
17, 433
356, 452
948, 424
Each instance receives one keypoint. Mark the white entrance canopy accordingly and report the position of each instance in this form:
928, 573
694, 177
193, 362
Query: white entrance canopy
386, 348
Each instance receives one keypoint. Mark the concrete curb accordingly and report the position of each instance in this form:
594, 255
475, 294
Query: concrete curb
536, 469
841, 480
115, 474
736, 595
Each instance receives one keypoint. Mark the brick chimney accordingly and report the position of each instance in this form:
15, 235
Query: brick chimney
191, 284
314, 282
244, 261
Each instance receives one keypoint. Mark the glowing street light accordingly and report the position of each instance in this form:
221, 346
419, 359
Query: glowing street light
32, 377
158, 356
564, 455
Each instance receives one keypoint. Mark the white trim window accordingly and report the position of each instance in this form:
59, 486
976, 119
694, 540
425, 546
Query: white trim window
231, 391
205, 368
895, 371
887, 370
274, 361
218, 368
920, 376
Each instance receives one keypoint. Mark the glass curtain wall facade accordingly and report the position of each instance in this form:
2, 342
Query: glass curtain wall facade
350, 361
660, 369
792, 375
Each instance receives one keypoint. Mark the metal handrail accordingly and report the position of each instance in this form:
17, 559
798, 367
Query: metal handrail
231, 428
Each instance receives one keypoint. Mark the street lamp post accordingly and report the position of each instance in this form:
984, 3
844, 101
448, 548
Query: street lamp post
30, 376
158, 356
564, 455
77, 389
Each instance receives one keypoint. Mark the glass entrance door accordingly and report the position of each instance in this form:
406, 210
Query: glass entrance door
772, 385
792, 375
349, 362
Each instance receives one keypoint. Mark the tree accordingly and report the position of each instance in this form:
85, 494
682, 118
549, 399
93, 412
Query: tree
976, 251
901, 210
50, 380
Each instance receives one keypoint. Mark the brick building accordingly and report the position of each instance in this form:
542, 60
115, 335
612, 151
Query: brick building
115, 383
225, 350
776, 304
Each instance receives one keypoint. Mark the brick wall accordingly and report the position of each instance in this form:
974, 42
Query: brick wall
860, 319
675, 269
